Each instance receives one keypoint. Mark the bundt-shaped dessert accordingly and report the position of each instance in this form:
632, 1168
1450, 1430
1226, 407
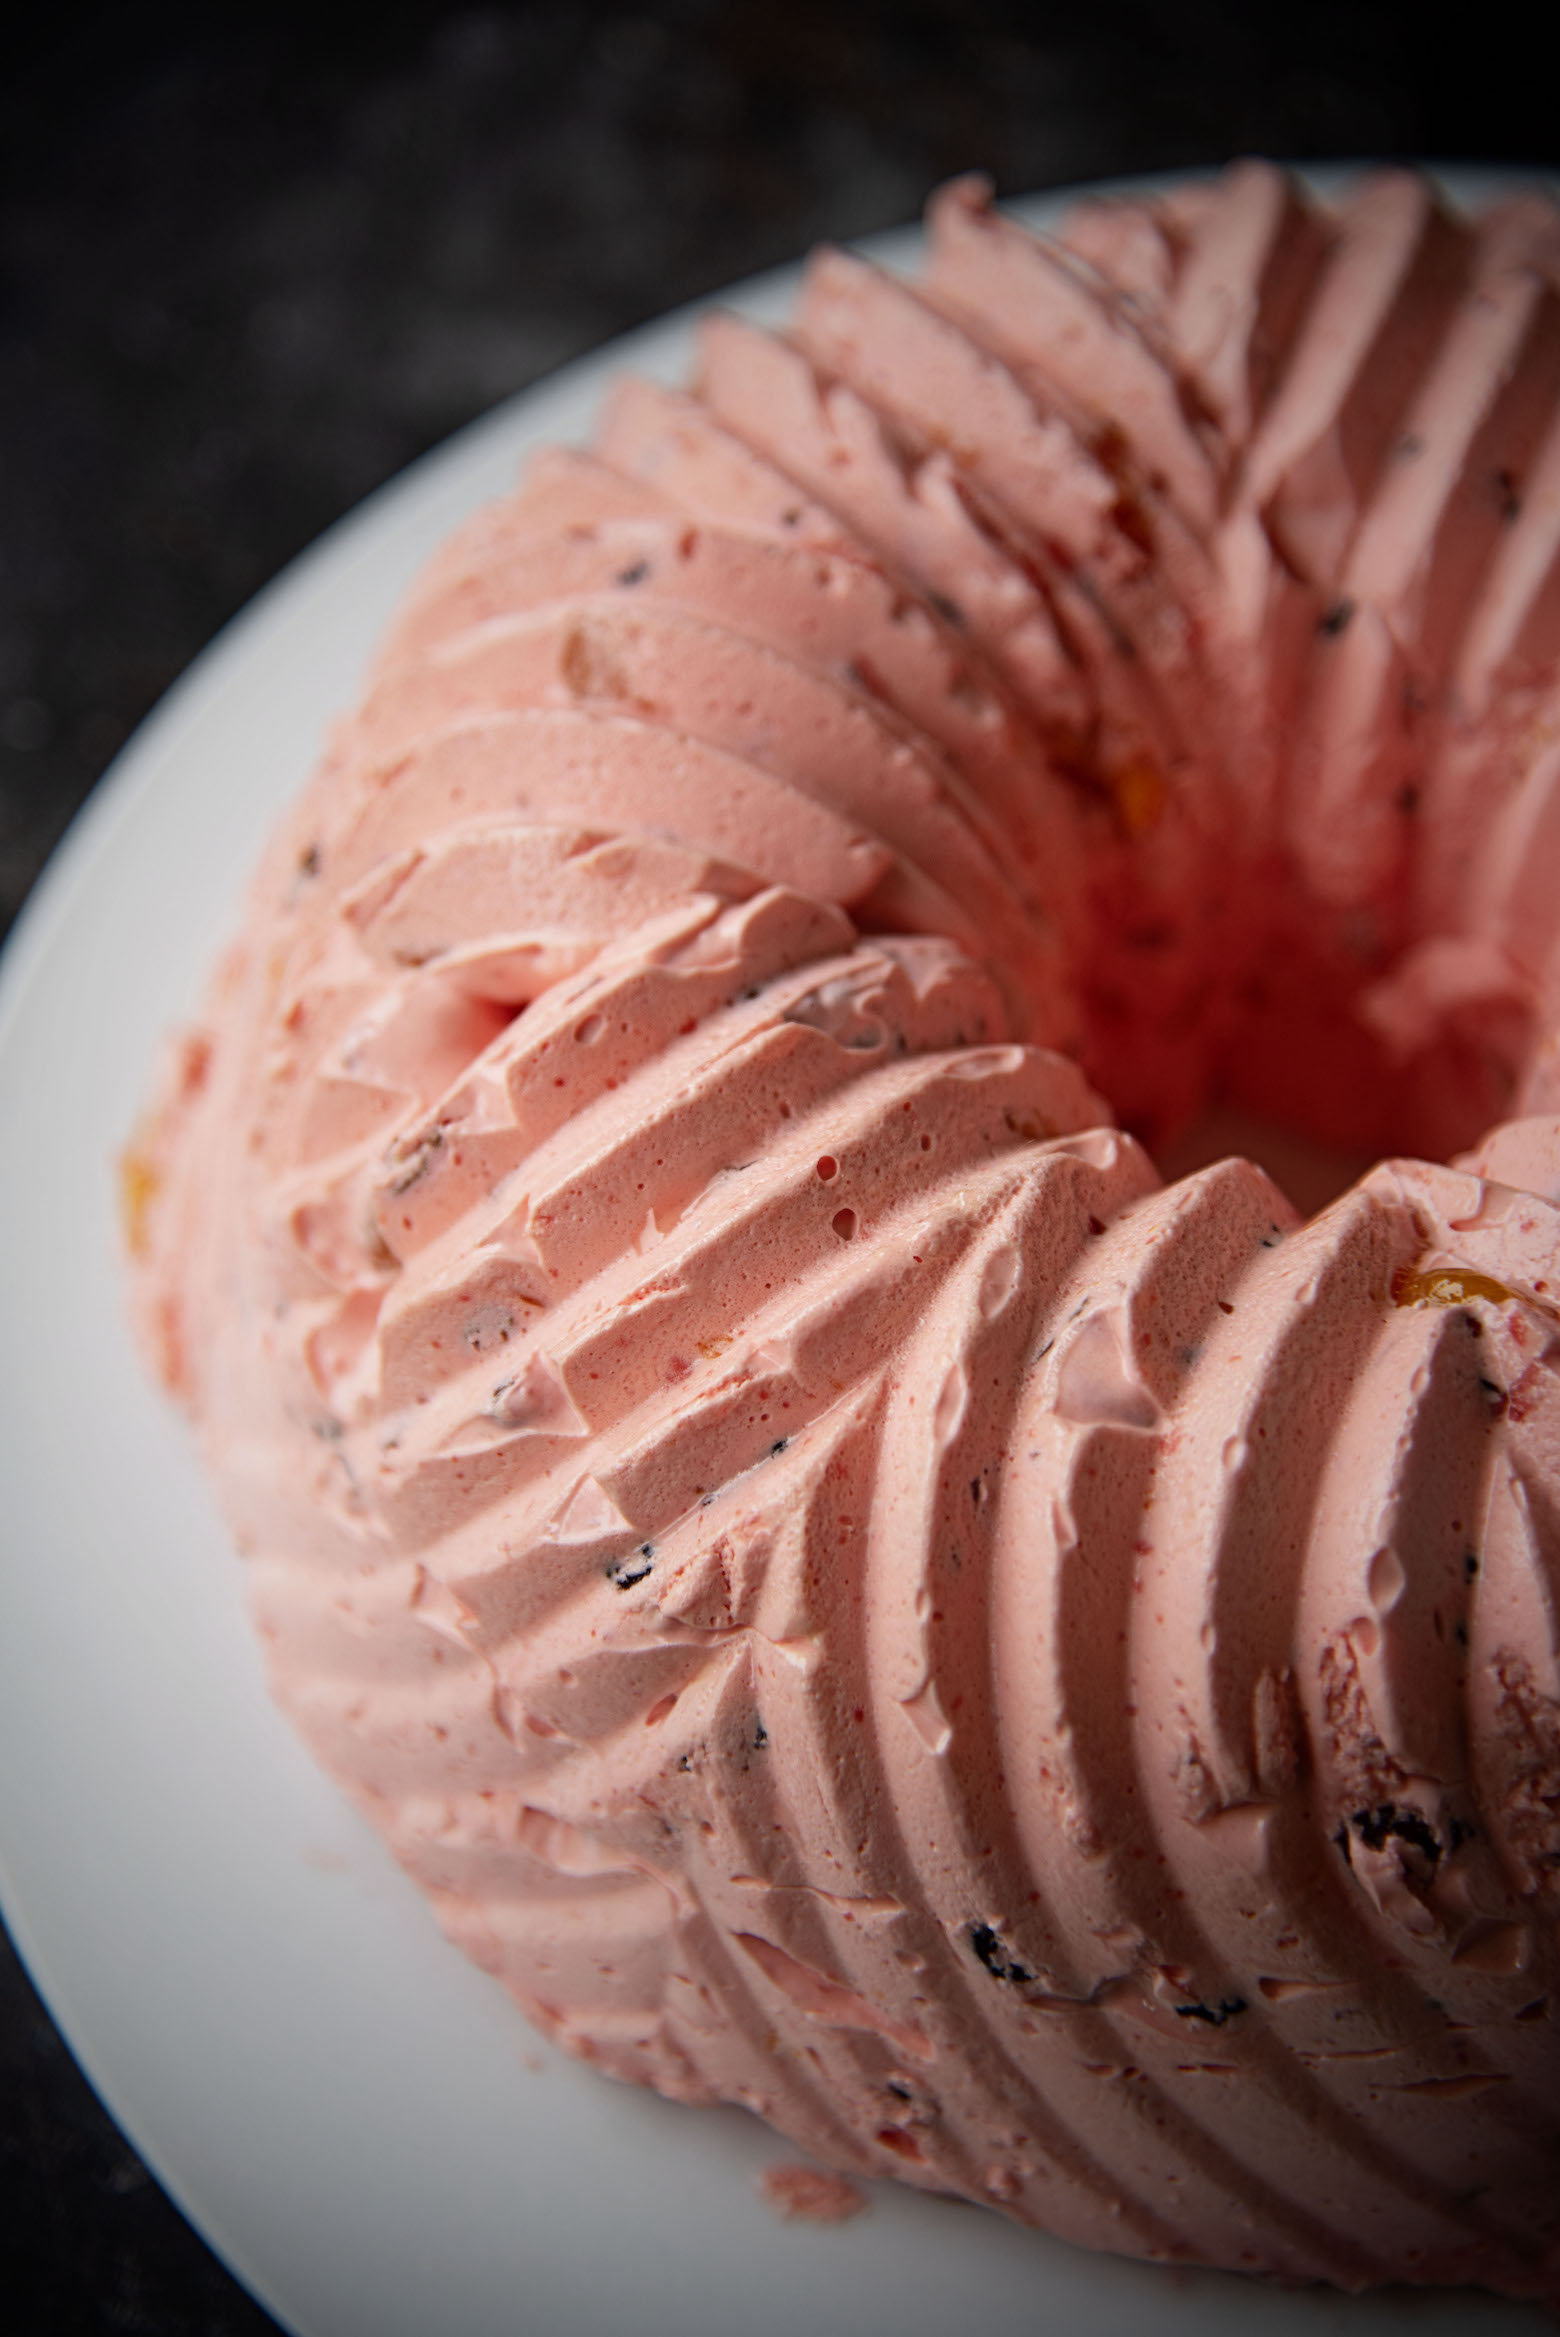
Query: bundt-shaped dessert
849, 1594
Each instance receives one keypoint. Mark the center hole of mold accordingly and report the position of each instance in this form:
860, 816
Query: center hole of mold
1311, 1172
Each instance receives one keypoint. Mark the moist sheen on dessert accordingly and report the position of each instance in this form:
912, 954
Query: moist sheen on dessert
848, 1593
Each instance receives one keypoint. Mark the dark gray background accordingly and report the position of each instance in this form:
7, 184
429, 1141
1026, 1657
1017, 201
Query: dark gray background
251, 264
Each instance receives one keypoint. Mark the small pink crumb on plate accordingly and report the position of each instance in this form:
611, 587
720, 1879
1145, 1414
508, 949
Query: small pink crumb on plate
806, 2195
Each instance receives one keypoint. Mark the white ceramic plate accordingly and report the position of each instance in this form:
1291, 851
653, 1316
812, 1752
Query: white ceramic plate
356, 2119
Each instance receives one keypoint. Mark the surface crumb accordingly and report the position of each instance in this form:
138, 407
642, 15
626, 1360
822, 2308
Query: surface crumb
807, 2195
324, 1861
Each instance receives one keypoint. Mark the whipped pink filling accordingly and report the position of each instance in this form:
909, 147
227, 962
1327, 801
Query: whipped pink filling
849, 1594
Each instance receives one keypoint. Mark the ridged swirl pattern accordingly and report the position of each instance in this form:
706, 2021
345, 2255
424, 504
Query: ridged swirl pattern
847, 1593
